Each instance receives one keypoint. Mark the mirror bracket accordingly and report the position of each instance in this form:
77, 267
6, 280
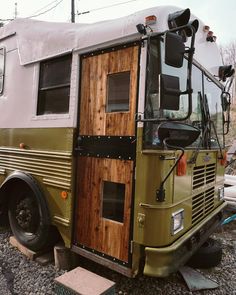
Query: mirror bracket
175, 136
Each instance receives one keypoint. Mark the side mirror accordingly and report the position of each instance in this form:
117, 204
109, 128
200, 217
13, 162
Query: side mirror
178, 18
174, 50
178, 134
225, 100
170, 92
225, 72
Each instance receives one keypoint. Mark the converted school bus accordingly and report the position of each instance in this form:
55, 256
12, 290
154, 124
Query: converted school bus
89, 117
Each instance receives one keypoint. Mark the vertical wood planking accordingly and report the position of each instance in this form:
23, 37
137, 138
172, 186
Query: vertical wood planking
124, 122
92, 230
94, 91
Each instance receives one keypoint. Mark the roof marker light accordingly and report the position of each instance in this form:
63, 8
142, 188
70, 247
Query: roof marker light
210, 37
150, 20
206, 29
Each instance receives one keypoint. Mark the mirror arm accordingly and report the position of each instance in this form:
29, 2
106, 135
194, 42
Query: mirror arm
171, 30
227, 122
160, 193
190, 50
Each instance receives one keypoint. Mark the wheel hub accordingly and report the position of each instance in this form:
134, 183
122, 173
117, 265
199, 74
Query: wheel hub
24, 213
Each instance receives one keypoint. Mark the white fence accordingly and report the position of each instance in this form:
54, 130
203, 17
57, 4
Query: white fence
230, 189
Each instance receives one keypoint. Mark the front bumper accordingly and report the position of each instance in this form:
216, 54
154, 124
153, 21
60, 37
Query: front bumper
160, 262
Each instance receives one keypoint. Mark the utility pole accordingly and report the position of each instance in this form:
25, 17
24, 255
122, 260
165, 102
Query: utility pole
72, 11
16, 12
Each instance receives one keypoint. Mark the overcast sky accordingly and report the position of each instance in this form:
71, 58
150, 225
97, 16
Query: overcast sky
218, 14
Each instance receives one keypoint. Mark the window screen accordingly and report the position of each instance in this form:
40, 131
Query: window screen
113, 201
54, 86
118, 92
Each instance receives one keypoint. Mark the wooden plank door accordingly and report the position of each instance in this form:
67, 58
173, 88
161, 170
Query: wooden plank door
106, 151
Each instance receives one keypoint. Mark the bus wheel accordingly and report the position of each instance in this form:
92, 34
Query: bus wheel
208, 255
29, 217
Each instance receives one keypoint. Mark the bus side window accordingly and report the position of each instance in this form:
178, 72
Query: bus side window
2, 67
54, 86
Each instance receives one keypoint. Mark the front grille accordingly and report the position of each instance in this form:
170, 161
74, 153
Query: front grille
202, 204
203, 175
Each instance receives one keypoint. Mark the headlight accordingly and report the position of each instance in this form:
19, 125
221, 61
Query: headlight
221, 193
177, 221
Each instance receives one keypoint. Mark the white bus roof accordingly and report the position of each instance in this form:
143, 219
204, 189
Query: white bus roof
38, 40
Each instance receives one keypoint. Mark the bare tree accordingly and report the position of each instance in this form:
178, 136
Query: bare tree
228, 55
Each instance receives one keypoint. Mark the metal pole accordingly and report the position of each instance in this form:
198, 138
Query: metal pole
72, 11
16, 12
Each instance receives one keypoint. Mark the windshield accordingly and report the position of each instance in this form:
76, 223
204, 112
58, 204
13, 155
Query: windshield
206, 101
212, 95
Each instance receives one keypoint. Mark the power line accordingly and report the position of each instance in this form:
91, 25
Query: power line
37, 11
6, 19
38, 14
108, 6
46, 10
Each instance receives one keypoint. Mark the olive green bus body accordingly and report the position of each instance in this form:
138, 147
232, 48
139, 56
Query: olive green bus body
196, 192
47, 154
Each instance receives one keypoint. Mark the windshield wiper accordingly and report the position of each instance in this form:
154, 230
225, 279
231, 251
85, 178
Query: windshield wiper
206, 135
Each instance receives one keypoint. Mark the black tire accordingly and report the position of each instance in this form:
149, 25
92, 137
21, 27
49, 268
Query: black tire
29, 217
207, 256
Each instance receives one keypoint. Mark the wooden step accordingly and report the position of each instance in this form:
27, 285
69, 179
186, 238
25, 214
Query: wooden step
80, 281
27, 252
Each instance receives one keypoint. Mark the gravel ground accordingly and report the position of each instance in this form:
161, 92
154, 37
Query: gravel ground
18, 275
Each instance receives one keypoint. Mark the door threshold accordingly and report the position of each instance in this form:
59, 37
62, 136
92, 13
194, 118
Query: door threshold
103, 261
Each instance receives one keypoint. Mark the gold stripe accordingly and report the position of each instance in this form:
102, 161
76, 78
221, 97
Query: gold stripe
38, 140
56, 183
2, 171
35, 152
54, 167
60, 220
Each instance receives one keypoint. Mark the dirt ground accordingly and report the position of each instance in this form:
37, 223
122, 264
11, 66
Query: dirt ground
224, 274
20, 276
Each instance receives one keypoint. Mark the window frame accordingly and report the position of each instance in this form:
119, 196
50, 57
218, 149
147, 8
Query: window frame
117, 203
3, 69
53, 87
108, 98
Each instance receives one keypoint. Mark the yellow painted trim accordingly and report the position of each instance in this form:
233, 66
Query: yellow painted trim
36, 152
191, 232
161, 262
2, 171
62, 221
56, 183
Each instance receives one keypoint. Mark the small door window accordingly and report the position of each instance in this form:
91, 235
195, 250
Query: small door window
118, 92
113, 201
54, 86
